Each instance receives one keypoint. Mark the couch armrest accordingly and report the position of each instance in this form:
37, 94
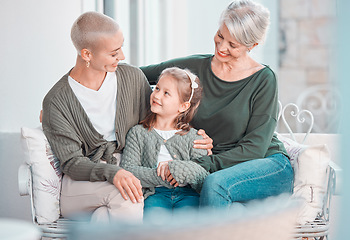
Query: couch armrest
24, 180
338, 172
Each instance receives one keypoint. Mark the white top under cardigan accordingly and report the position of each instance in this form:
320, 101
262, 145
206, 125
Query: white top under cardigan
100, 106
164, 154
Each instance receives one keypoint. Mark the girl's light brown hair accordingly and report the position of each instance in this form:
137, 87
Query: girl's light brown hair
184, 88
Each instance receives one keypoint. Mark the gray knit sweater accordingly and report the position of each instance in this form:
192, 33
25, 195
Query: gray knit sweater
141, 153
75, 141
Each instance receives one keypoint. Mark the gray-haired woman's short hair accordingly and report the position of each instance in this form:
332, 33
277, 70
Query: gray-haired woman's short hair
89, 27
247, 21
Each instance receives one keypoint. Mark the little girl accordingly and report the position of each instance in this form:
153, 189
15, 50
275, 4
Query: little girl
158, 152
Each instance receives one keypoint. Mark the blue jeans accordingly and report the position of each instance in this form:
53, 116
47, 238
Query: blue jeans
254, 179
171, 199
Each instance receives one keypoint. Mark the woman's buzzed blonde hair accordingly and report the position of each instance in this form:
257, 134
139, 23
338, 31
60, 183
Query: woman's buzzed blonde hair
89, 27
247, 21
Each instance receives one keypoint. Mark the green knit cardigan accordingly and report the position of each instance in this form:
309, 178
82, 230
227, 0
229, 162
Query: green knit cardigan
140, 157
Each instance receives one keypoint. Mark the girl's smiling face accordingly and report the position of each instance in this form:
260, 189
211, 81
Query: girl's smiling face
165, 99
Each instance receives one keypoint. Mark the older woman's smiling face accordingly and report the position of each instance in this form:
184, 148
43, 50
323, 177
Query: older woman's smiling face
226, 46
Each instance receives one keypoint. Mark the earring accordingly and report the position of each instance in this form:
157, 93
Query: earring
87, 64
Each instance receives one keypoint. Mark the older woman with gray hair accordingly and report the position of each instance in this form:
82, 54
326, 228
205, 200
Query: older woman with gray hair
238, 111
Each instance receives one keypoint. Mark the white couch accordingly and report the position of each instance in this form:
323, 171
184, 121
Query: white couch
316, 178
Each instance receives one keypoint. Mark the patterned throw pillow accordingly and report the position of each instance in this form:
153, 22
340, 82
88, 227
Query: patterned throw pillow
46, 174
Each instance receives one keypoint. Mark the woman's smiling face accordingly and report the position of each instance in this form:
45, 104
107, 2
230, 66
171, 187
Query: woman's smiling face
226, 46
109, 52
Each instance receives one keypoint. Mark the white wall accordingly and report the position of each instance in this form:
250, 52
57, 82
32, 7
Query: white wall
203, 24
35, 51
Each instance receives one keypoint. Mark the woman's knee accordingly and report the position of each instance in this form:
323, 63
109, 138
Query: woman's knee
213, 181
214, 192
214, 184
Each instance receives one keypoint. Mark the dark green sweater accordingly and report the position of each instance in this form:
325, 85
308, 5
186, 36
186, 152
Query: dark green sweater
239, 116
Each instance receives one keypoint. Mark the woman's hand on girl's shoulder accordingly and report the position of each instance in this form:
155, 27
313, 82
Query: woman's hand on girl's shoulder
205, 143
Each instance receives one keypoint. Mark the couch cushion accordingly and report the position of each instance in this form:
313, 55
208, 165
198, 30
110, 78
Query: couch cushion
310, 163
46, 174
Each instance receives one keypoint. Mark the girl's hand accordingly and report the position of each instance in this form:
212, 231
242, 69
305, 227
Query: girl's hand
172, 180
205, 143
164, 172
163, 169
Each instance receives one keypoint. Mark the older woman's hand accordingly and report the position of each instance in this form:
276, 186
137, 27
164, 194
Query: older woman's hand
205, 143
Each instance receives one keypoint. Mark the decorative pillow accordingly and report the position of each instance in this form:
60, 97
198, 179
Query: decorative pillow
46, 174
293, 148
310, 164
